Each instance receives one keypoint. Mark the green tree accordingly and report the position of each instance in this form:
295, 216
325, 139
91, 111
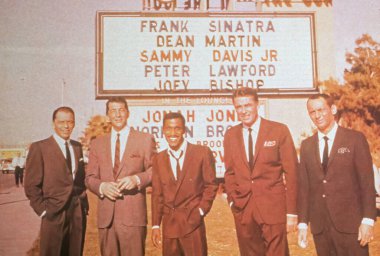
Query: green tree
358, 99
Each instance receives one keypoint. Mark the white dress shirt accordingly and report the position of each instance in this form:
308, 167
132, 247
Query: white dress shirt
255, 132
124, 133
321, 141
61, 143
173, 161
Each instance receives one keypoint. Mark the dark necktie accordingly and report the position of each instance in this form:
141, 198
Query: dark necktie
68, 156
117, 156
178, 167
250, 148
325, 158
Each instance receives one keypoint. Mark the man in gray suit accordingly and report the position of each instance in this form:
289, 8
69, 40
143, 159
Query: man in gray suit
336, 188
119, 169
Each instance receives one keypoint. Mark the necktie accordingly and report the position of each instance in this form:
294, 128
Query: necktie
178, 167
325, 158
68, 156
117, 156
250, 148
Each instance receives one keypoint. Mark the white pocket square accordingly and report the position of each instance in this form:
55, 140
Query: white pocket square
270, 143
343, 150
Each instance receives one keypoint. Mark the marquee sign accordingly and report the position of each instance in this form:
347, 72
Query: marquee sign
204, 54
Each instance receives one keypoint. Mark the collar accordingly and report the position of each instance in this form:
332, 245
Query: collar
183, 148
125, 130
256, 125
331, 134
59, 140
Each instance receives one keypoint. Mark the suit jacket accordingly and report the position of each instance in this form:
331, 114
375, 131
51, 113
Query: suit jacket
275, 157
347, 188
177, 203
137, 160
49, 183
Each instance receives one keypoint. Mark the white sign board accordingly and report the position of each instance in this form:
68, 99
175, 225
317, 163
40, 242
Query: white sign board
181, 54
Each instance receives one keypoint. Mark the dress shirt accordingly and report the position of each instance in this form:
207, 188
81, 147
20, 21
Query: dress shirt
173, 161
255, 131
124, 133
61, 143
321, 143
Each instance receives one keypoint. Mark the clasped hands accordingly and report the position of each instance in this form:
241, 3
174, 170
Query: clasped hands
112, 190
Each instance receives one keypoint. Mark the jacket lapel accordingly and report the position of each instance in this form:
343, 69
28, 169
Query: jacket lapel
315, 152
240, 143
261, 137
336, 144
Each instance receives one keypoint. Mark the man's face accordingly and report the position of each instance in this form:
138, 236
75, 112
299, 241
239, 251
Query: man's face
321, 114
246, 108
118, 115
63, 124
174, 130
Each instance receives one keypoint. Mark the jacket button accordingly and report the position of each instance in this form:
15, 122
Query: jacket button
324, 181
252, 181
323, 195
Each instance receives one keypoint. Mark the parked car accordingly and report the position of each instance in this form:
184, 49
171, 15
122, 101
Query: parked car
6, 166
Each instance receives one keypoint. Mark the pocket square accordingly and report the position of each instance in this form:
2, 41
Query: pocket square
269, 143
343, 150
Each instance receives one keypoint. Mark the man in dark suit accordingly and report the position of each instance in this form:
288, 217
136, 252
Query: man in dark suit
119, 169
54, 184
184, 187
336, 188
260, 179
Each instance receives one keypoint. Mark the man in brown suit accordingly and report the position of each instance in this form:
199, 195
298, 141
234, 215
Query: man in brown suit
336, 188
119, 169
54, 184
260, 179
184, 187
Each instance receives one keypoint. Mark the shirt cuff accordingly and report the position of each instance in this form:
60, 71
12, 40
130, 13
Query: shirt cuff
155, 227
302, 225
368, 221
100, 190
201, 212
138, 180
231, 203
291, 215
43, 214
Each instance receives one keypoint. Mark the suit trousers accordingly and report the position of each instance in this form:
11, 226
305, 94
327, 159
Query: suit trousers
119, 239
63, 234
258, 238
331, 242
192, 244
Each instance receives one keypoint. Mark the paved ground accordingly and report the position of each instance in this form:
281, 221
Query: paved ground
19, 224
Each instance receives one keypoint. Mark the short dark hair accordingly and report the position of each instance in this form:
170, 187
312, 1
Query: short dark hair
63, 109
117, 99
174, 115
245, 92
329, 100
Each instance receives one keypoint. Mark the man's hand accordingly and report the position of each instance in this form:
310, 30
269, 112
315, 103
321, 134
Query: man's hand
291, 223
128, 183
110, 190
156, 237
365, 234
302, 238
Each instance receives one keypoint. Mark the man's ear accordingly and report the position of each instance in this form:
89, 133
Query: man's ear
334, 109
